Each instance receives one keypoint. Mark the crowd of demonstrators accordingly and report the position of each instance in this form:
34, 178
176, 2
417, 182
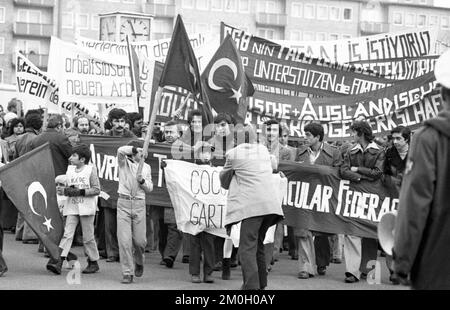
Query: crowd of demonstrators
123, 228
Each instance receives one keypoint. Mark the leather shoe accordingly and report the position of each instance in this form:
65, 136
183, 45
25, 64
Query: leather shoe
321, 270
196, 279
168, 262
112, 259
394, 279
351, 279
304, 275
138, 270
336, 261
208, 279
363, 275
70, 257
30, 241
185, 259
127, 279
2, 271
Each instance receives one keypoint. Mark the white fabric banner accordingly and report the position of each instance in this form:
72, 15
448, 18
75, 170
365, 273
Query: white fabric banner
89, 76
200, 202
198, 199
38, 90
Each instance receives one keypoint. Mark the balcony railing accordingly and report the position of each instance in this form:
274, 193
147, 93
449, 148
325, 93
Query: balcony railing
373, 27
39, 60
271, 19
161, 10
33, 29
39, 3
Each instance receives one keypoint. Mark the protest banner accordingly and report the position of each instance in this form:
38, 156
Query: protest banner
400, 55
89, 76
317, 199
198, 199
407, 103
38, 90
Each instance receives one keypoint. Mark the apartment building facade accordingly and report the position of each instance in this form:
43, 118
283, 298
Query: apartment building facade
28, 24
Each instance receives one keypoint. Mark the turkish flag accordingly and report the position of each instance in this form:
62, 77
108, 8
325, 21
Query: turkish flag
225, 82
29, 182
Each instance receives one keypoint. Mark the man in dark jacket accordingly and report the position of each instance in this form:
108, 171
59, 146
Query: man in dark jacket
422, 229
316, 152
33, 125
396, 155
364, 160
59, 144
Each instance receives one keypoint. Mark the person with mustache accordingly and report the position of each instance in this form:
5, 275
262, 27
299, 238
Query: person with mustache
80, 126
117, 118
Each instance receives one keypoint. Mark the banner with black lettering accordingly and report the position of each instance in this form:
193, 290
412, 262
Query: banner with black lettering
400, 55
317, 199
198, 199
38, 90
90, 76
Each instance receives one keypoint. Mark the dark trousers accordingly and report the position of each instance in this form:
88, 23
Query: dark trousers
218, 249
100, 229
2, 261
322, 249
293, 251
112, 245
160, 228
174, 241
251, 251
198, 243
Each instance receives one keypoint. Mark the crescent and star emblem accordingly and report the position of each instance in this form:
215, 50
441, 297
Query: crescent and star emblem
224, 62
34, 188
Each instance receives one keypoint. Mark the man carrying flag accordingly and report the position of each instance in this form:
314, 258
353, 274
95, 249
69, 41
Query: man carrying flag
226, 84
30, 184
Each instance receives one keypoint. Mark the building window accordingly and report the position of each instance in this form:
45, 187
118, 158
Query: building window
433, 20
410, 19
29, 46
421, 20
296, 9
308, 36
67, 20
95, 22
334, 36
202, 4
309, 11
444, 22
128, 1
334, 13
2, 14
2, 45
244, 6
348, 12
295, 35
322, 12
346, 36
202, 28
189, 27
230, 5
398, 18
82, 21
216, 5
187, 4
29, 16
321, 36
265, 33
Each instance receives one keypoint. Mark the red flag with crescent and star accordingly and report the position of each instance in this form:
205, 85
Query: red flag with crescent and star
29, 182
225, 82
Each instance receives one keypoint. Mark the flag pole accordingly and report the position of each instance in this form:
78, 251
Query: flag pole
150, 126
100, 114
133, 78
177, 113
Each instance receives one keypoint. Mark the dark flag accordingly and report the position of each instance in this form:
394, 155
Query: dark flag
225, 82
29, 182
181, 68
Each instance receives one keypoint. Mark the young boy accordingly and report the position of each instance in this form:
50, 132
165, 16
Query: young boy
131, 212
202, 241
82, 188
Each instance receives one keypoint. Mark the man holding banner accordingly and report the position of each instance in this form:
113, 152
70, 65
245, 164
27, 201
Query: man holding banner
310, 251
364, 160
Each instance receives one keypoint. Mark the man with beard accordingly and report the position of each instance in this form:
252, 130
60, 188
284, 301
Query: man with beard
80, 126
117, 118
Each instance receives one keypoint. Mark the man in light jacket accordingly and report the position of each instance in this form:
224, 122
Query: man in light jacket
247, 175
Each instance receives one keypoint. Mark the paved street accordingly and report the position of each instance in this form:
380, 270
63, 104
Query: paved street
27, 271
